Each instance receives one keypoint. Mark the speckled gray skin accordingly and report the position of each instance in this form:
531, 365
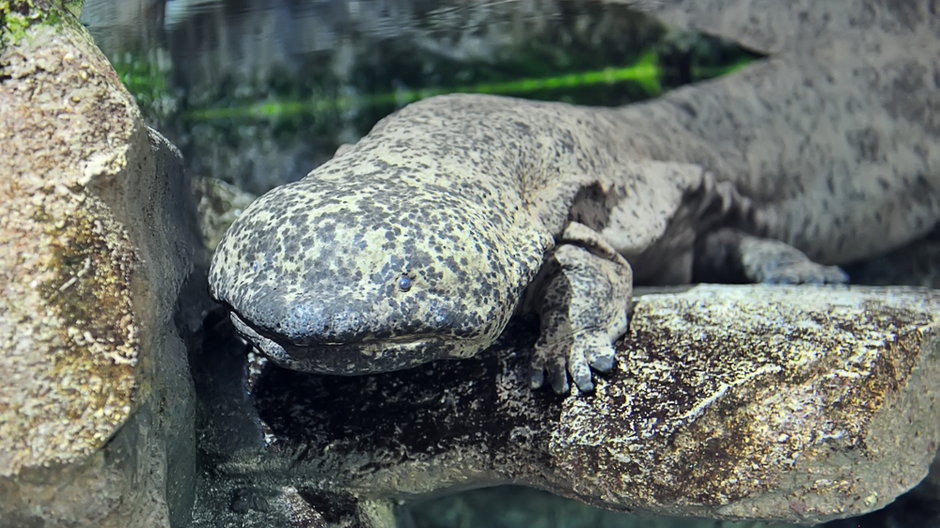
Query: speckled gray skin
424, 240
420, 241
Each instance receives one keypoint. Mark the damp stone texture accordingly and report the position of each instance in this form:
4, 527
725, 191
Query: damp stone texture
96, 425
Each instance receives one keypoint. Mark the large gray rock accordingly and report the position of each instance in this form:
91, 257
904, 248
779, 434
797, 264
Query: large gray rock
97, 236
796, 404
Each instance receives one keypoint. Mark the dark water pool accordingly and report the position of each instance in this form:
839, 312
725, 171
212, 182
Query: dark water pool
258, 93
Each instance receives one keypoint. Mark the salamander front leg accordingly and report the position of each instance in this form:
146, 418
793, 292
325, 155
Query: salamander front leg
583, 308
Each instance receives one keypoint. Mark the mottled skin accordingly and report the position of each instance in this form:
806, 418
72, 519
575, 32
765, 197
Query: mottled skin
420, 241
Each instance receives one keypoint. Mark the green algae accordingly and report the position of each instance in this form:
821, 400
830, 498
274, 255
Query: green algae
20, 15
17, 16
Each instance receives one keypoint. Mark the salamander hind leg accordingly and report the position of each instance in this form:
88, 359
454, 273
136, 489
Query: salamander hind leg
583, 308
729, 255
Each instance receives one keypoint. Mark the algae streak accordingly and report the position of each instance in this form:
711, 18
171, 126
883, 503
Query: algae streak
20, 15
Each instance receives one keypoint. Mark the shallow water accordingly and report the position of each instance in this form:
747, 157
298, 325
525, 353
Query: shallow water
257, 93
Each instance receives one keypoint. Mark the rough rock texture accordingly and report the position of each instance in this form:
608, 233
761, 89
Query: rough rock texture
799, 410
218, 205
96, 238
795, 403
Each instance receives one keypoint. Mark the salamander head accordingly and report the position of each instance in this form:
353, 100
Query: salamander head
336, 277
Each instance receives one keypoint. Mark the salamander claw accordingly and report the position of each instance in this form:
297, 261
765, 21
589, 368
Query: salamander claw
575, 356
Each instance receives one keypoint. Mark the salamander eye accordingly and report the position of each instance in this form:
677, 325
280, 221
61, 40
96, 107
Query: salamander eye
404, 284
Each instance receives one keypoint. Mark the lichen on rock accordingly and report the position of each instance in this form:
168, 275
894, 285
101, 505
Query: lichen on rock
16, 16
69, 321
721, 398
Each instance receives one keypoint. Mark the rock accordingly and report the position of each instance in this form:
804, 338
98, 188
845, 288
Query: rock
98, 235
218, 205
807, 408
793, 404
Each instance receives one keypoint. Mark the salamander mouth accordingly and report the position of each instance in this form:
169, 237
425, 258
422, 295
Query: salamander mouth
392, 341
362, 356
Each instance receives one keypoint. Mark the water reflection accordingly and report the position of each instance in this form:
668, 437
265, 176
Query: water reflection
259, 92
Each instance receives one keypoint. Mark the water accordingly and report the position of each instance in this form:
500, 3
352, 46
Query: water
257, 93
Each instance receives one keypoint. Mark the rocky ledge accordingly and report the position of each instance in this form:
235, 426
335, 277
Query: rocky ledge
797, 404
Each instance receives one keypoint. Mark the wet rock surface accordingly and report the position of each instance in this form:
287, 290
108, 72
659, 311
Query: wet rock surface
796, 404
96, 241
